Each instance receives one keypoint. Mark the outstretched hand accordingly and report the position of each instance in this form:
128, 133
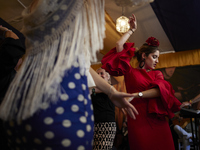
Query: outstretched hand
133, 22
119, 100
185, 104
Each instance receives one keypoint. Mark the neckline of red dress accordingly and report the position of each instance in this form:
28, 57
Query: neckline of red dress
148, 70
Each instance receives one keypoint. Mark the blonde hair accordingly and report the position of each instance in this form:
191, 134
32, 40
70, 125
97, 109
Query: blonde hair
109, 78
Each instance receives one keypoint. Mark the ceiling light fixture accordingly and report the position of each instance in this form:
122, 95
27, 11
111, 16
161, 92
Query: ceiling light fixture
122, 24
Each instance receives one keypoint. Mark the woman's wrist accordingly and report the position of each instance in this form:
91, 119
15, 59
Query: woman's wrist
112, 90
132, 30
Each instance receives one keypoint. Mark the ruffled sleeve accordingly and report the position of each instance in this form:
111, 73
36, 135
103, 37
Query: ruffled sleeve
167, 104
117, 64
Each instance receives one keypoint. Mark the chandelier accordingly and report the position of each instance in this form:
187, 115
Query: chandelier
122, 24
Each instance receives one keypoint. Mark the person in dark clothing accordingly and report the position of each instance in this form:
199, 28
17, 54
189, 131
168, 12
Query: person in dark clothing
11, 52
104, 116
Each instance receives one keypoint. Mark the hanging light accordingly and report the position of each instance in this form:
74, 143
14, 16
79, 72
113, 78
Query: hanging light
122, 24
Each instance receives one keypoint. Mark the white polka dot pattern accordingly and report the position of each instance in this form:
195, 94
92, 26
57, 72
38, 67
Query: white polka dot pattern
83, 119
37, 141
48, 120
66, 123
89, 97
77, 76
74, 108
71, 85
56, 17
83, 86
49, 135
44, 106
80, 97
66, 142
92, 117
91, 106
81, 148
64, 97
86, 113
88, 128
60, 110
80, 133
63, 122
85, 101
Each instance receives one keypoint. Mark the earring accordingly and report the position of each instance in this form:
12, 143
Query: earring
142, 63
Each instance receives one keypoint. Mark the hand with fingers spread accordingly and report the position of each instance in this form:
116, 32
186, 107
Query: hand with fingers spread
119, 99
133, 23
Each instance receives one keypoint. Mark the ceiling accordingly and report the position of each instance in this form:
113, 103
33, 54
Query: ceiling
175, 23
148, 24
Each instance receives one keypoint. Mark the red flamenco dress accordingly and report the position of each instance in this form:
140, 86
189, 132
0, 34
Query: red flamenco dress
150, 130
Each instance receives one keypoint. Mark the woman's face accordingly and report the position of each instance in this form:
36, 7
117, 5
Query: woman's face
151, 60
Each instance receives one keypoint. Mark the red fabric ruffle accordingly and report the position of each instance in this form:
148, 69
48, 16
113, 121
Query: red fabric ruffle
167, 104
117, 64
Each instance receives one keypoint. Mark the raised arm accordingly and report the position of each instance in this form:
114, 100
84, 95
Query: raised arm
125, 37
118, 98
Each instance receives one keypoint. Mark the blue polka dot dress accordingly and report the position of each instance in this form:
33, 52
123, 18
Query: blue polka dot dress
66, 124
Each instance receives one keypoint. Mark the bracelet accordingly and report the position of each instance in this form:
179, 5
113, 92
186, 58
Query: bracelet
130, 33
132, 30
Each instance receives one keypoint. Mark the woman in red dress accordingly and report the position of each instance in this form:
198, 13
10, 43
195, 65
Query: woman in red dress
154, 97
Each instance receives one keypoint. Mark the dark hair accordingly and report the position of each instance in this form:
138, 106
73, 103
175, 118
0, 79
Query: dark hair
145, 48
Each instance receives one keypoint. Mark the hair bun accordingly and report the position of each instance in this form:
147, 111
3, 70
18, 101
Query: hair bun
152, 41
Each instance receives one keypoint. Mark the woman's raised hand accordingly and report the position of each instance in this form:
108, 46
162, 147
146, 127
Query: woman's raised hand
133, 22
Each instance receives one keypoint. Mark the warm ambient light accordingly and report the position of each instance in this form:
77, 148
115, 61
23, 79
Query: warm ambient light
122, 24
